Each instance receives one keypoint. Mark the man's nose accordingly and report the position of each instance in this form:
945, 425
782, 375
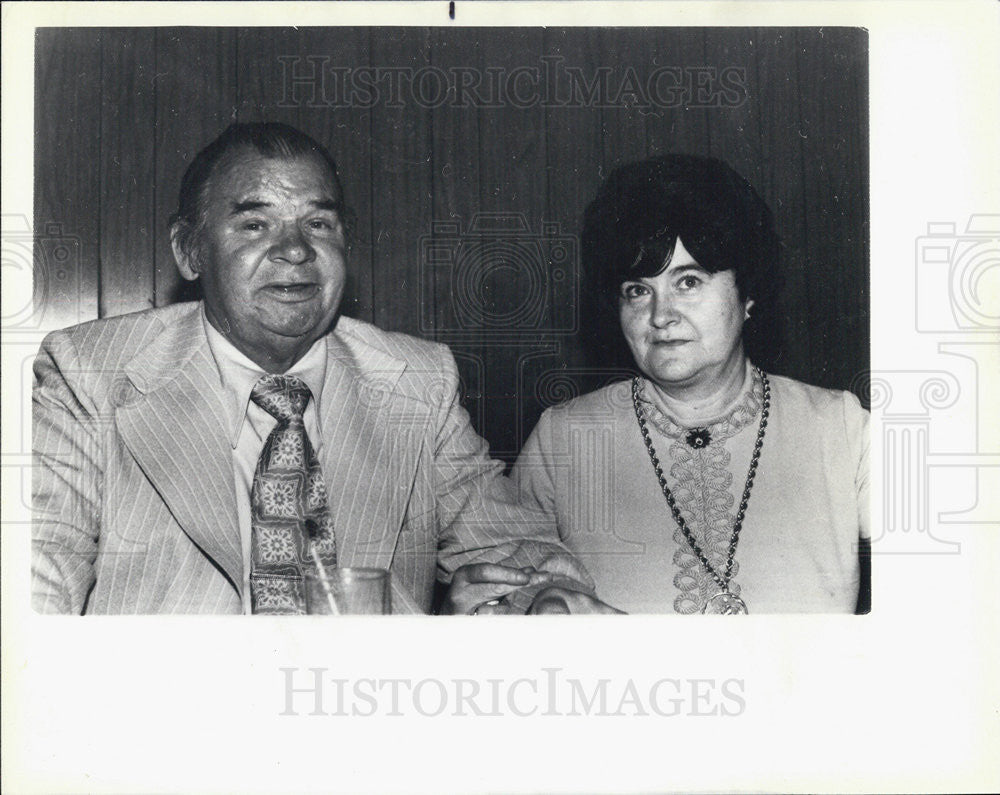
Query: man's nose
664, 310
292, 247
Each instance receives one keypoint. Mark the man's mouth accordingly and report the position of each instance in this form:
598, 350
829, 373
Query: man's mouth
292, 292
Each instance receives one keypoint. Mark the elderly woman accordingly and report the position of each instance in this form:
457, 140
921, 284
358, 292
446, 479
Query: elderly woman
704, 484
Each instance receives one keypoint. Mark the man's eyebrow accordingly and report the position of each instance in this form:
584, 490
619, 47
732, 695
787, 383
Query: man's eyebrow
332, 205
255, 204
247, 206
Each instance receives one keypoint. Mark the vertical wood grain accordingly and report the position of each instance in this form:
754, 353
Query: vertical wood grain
624, 58
128, 223
287, 75
120, 114
195, 100
736, 138
735, 128
835, 198
456, 182
512, 158
455, 201
260, 75
401, 183
67, 173
346, 129
683, 125
860, 268
574, 165
782, 185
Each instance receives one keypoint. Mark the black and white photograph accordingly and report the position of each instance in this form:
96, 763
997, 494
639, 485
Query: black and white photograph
481, 318
536, 200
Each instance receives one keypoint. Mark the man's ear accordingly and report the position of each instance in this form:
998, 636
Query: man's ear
184, 255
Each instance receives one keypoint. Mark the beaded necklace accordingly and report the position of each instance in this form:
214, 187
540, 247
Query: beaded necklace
724, 602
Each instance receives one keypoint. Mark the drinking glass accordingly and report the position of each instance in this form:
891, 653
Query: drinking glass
348, 591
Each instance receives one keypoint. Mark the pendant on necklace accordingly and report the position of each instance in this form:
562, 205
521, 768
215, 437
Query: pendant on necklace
698, 438
726, 604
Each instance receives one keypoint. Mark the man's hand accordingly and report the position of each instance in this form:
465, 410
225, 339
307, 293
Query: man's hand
557, 599
478, 587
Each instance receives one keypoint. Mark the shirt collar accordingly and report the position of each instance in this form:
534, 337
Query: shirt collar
238, 374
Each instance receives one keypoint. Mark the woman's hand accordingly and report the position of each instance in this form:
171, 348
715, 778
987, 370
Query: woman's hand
479, 587
559, 600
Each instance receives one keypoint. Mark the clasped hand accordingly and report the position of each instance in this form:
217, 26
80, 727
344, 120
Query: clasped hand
479, 588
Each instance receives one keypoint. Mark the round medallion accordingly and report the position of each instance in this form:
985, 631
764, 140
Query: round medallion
725, 604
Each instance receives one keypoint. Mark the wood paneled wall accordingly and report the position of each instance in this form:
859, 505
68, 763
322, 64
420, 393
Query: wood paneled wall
119, 113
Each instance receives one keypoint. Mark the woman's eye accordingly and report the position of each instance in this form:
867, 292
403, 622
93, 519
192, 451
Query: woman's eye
688, 282
632, 291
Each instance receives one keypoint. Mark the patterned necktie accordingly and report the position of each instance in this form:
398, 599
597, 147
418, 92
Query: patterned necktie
288, 507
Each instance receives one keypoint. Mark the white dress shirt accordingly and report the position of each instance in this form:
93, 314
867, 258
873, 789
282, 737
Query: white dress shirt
250, 425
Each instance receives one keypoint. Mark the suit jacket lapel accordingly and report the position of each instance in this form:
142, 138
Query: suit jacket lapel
172, 419
372, 438
174, 424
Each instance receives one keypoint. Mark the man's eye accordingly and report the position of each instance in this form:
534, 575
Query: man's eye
320, 224
253, 226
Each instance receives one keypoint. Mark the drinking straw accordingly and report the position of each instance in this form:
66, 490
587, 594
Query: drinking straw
324, 580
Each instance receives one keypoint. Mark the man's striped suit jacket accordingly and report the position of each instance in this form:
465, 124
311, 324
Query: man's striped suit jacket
133, 490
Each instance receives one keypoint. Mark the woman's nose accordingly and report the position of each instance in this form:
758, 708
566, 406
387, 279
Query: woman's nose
664, 310
292, 247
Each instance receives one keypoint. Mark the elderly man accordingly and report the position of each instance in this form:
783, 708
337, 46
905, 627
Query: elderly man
199, 457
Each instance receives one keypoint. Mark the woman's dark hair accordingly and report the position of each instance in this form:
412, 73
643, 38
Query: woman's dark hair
270, 139
630, 231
